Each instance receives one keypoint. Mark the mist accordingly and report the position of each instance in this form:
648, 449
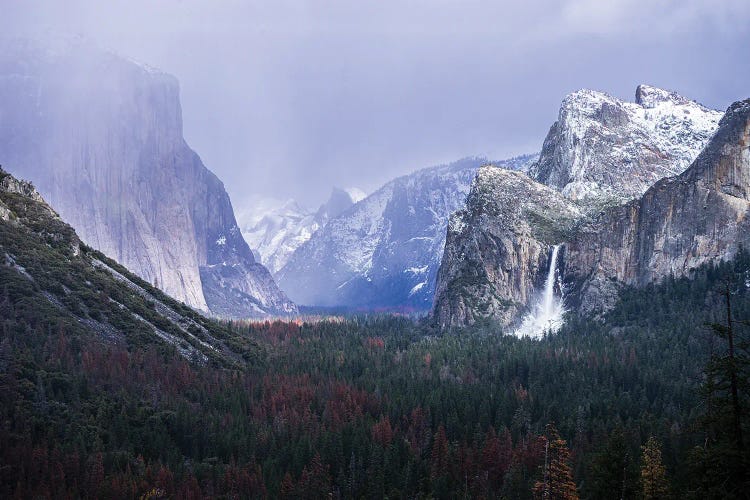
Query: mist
287, 99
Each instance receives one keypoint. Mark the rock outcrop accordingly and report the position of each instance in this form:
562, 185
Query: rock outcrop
679, 224
493, 272
602, 150
101, 137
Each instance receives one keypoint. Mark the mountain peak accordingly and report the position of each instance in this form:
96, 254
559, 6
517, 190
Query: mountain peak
603, 149
649, 97
339, 201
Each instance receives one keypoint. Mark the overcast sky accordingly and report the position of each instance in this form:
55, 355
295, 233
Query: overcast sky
286, 99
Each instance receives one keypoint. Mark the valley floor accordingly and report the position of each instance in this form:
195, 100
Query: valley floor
380, 406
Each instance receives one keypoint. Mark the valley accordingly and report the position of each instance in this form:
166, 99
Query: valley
520, 300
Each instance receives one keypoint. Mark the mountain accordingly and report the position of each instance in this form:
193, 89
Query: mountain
494, 271
682, 222
101, 137
678, 224
384, 251
282, 229
51, 280
602, 149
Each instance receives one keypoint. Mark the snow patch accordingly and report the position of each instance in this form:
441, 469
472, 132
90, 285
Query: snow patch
417, 288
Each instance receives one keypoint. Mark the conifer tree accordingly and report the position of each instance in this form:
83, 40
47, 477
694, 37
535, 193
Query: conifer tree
653, 474
613, 472
719, 468
557, 477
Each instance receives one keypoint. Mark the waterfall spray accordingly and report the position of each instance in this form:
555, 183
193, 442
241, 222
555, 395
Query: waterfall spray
546, 315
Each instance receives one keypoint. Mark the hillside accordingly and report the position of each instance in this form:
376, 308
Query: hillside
52, 281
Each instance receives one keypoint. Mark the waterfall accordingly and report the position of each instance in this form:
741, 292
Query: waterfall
546, 315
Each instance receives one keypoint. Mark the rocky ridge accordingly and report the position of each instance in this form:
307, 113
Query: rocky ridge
603, 150
677, 224
384, 252
49, 275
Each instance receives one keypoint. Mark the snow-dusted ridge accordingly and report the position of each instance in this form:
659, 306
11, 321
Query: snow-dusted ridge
275, 230
602, 148
384, 251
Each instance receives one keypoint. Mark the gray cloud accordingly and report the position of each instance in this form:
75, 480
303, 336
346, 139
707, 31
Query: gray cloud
289, 98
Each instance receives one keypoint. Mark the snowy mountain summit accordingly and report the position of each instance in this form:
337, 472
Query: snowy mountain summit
281, 229
604, 149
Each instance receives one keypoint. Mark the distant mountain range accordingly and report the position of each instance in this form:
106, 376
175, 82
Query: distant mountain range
275, 230
384, 252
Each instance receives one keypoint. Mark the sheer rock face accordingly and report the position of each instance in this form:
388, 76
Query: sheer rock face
492, 257
492, 272
602, 149
101, 137
680, 223
384, 252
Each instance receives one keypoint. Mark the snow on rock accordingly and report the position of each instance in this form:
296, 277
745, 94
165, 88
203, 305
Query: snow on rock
275, 230
604, 149
385, 250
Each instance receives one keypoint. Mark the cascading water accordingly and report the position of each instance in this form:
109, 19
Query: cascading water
546, 316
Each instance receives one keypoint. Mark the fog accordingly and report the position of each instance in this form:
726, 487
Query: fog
287, 99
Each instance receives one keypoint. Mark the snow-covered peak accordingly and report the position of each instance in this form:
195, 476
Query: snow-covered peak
602, 148
355, 194
274, 229
649, 97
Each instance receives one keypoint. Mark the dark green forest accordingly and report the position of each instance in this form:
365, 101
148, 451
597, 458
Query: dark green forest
383, 406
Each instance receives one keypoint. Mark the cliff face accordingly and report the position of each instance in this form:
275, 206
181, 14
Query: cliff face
676, 225
680, 223
101, 137
498, 246
602, 149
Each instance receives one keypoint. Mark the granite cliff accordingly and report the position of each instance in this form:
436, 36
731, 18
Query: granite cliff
669, 226
680, 223
603, 150
493, 272
101, 138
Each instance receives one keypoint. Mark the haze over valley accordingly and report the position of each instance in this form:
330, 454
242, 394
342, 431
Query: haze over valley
335, 251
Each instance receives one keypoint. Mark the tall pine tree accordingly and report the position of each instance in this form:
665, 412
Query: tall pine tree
557, 477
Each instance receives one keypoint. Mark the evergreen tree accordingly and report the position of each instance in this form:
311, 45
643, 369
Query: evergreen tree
613, 472
653, 474
719, 467
557, 477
